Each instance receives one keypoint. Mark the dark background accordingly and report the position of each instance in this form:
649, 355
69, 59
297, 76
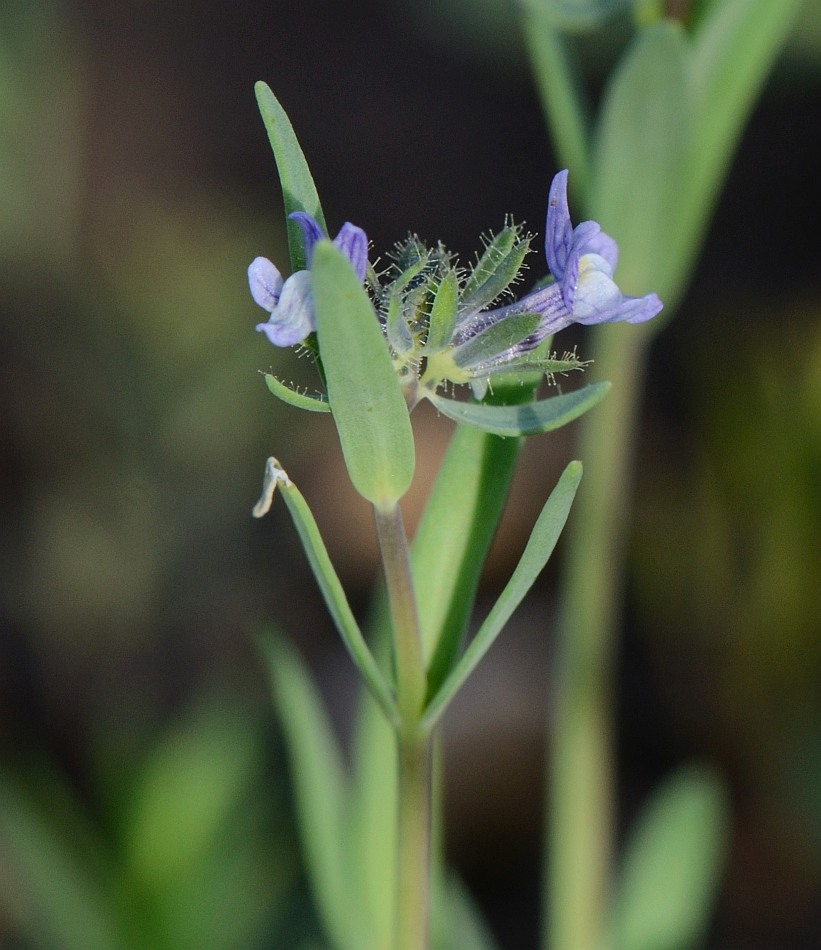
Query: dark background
137, 184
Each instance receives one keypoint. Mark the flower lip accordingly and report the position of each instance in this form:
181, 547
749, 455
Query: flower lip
265, 283
292, 319
290, 302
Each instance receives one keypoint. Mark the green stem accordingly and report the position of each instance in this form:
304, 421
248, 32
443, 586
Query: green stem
413, 746
410, 663
413, 844
581, 772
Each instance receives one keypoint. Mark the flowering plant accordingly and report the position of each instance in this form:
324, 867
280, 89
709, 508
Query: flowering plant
385, 336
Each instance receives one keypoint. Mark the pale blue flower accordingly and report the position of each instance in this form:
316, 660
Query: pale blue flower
582, 261
290, 302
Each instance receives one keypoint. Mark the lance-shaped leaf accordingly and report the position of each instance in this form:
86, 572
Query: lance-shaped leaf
328, 580
643, 143
298, 190
321, 790
443, 313
495, 270
734, 45
496, 339
545, 534
559, 83
525, 419
453, 539
366, 399
669, 880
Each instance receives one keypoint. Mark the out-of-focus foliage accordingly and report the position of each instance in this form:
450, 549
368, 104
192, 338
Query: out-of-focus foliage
673, 863
734, 603
741, 584
487, 28
188, 848
132, 429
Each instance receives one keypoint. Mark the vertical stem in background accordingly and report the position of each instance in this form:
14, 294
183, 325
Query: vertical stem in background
413, 747
581, 789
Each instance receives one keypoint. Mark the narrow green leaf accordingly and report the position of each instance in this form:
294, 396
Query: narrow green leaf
58, 882
453, 539
366, 399
456, 922
318, 403
320, 787
496, 339
443, 313
643, 143
525, 419
331, 588
298, 189
669, 880
734, 46
576, 15
542, 541
565, 107
495, 270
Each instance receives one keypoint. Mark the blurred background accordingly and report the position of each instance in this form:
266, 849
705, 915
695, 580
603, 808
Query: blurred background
144, 800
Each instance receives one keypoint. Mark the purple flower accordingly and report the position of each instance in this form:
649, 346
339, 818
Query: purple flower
582, 261
290, 302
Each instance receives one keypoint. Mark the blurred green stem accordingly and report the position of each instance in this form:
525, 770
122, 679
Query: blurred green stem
580, 793
413, 746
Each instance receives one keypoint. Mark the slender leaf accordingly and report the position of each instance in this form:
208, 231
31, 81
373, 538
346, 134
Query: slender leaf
734, 45
495, 270
456, 922
524, 419
318, 403
332, 590
668, 883
369, 409
298, 189
321, 790
453, 538
443, 313
542, 541
560, 88
58, 893
643, 146
497, 338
